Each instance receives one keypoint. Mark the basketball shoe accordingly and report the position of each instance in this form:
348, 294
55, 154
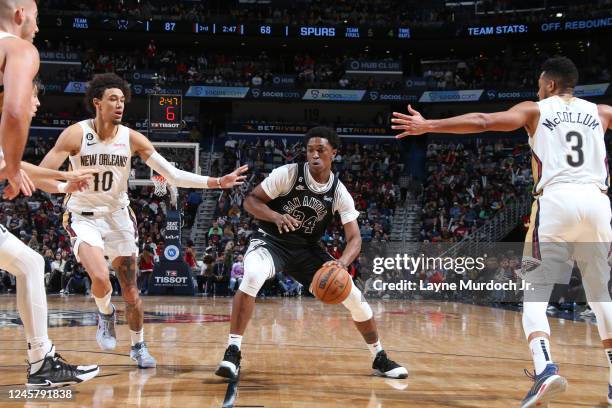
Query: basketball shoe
230, 366
105, 336
140, 354
385, 367
56, 372
547, 385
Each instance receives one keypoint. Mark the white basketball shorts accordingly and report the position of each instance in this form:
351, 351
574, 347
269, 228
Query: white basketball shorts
115, 232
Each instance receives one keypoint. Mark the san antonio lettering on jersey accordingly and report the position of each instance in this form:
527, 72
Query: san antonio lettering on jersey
313, 210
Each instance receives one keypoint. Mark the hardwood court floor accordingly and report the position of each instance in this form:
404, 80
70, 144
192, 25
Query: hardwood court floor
301, 353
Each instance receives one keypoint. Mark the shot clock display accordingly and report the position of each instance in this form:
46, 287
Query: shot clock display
165, 113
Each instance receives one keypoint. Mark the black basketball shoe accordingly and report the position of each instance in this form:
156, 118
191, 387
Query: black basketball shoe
385, 367
56, 372
230, 366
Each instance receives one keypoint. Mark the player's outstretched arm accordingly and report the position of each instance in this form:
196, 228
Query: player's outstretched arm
21, 66
255, 204
55, 181
524, 114
180, 178
605, 114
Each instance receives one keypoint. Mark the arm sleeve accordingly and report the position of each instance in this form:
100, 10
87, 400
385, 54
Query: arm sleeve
344, 205
280, 181
175, 176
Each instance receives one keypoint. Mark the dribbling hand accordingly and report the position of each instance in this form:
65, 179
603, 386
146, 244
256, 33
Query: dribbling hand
336, 262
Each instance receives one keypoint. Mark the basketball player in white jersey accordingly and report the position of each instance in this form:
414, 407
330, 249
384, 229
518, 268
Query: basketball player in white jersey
99, 220
570, 170
19, 61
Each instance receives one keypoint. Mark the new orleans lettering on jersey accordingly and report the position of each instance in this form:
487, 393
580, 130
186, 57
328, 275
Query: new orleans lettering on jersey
313, 210
104, 159
568, 144
108, 190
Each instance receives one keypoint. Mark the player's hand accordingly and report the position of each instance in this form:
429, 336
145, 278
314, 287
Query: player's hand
286, 223
412, 125
79, 175
76, 186
336, 262
235, 178
18, 183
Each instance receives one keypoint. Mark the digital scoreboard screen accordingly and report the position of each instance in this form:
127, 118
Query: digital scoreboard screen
165, 113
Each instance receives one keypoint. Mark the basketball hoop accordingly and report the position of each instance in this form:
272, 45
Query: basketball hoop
161, 188
160, 183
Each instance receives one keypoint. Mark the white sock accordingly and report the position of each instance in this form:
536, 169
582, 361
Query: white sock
37, 350
375, 348
137, 336
234, 339
104, 303
540, 351
609, 357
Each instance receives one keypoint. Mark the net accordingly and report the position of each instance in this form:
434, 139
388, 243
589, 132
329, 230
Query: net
162, 187
160, 183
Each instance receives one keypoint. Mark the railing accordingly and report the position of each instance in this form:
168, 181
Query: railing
494, 230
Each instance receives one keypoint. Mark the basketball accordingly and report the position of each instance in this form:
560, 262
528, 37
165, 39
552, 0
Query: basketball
331, 284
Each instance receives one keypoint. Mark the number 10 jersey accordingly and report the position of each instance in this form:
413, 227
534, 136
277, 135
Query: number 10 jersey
112, 158
568, 145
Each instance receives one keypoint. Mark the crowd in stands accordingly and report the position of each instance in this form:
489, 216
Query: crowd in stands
515, 66
468, 183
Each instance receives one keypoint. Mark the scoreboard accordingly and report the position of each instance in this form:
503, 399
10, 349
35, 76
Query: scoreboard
165, 113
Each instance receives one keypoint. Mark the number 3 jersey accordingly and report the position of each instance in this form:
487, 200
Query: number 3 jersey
568, 145
112, 158
294, 191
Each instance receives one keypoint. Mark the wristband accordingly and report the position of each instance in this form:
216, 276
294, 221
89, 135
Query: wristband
61, 187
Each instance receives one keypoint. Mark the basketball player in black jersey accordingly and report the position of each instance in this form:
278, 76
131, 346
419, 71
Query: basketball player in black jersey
294, 205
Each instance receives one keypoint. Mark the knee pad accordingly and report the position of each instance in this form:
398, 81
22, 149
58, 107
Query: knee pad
534, 318
358, 306
258, 267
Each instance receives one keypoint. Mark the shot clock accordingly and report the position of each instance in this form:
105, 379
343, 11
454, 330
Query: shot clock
165, 113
